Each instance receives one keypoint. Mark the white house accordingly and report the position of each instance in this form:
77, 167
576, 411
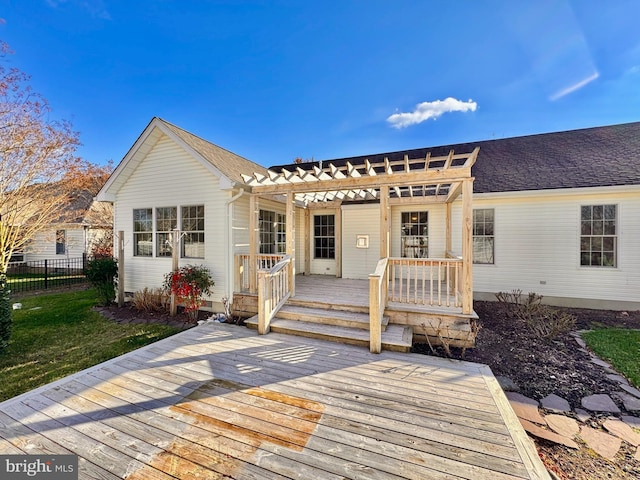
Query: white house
83, 223
557, 214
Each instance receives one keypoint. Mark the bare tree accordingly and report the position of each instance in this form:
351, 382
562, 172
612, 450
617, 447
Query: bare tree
37, 162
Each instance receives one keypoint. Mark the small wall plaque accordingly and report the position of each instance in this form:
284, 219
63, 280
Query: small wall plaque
362, 241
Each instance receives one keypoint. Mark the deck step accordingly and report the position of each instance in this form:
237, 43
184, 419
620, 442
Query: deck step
339, 318
397, 338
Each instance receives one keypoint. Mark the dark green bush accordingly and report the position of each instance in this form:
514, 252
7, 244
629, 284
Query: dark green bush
6, 323
101, 273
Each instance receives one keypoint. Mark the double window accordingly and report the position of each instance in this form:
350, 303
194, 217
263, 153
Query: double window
414, 235
145, 226
272, 232
483, 235
598, 236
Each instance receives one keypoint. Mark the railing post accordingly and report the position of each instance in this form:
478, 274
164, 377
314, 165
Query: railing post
264, 301
46, 275
375, 328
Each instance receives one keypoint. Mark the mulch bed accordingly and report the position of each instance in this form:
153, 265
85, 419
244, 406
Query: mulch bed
541, 367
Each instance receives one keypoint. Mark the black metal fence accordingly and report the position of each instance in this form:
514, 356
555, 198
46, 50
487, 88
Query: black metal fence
46, 274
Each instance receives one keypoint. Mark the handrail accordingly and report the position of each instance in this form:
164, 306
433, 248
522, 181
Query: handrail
242, 270
273, 292
378, 285
426, 281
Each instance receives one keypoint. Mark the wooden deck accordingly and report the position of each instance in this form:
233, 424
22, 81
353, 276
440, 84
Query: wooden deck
219, 401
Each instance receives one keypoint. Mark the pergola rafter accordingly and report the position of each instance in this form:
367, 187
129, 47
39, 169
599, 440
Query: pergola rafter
390, 182
431, 176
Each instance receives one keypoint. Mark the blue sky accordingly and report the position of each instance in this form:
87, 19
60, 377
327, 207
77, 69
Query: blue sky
276, 80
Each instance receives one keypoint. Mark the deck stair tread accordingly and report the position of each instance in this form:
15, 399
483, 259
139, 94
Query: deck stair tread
395, 337
325, 316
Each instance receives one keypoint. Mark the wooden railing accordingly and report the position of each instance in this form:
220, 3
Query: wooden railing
242, 270
378, 285
426, 281
273, 292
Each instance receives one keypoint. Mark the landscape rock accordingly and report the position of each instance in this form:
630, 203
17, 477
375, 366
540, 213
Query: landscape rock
600, 403
633, 422
600, 362
564, 426
540, 432
602, 443
507, 384
632, 390
582, 415
555, 403
525, 408
637, 456
631, 403
617, 378
580, 341
621, 430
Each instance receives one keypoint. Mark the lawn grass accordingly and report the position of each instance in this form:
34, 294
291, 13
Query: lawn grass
59, 334
620, 347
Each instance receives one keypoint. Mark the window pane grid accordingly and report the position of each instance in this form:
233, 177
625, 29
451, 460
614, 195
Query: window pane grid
192, 222
598, 239
324, 236
483, 236
143, 232
414, 235
166, 222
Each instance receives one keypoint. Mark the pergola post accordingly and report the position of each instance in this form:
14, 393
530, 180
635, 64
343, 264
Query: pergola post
307, 241
384, 221
447, 226
291, 241
253, 243
338, 240
467, 245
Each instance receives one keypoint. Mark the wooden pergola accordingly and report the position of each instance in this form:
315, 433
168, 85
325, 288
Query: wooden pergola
419, 181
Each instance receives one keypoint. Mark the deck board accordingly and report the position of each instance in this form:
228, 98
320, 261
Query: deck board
219, 401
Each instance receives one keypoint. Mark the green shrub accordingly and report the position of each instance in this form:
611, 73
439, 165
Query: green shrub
101, 273
6, 323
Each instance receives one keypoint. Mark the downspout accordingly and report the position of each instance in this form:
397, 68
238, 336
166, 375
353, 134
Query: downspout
230, 274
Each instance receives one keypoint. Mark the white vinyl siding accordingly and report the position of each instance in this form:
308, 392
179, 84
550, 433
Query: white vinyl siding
360, 220
43, 246
170, 176
538, 244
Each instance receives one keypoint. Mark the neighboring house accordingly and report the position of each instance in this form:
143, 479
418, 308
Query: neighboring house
557, 214
83, 223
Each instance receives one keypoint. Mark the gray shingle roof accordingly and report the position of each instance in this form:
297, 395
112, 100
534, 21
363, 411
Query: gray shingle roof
227, 162
590, 157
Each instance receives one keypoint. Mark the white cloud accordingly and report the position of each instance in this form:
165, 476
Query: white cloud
426, 110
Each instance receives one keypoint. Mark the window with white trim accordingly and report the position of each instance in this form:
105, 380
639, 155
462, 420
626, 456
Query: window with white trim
193, 231
166, 222
483, 235
598, 236
414, 235
143, 232
273, 232
161, 222
324, 236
